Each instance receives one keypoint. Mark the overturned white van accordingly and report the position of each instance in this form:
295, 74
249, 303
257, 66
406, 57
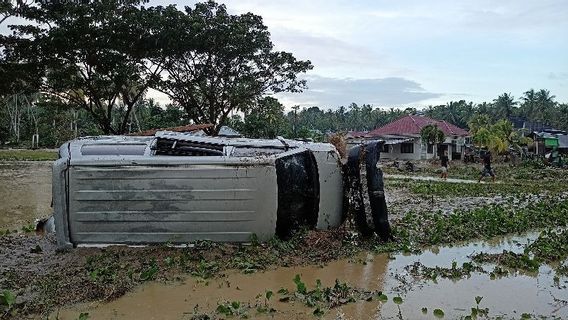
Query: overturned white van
179, 188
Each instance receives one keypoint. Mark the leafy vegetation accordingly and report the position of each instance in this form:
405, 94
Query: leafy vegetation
210, 80
509, 259
431, 134
83, 316
550, 247
149, 272
528, 172
454, 273
97, 58
102, 268
325, 298
7, 299
232, 308
431, 228
95, 63
28, 228
205, 269
498, 137
515, 183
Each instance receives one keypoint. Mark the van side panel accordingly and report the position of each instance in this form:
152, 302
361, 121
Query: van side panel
132, 204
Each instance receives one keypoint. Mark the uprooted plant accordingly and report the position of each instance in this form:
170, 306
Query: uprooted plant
325, 298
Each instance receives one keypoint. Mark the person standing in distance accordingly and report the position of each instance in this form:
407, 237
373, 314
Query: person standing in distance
487, 170
444, 161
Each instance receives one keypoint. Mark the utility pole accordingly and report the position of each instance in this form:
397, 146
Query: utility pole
295, 108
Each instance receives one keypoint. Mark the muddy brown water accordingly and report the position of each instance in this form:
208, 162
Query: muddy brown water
510, 296
25, 192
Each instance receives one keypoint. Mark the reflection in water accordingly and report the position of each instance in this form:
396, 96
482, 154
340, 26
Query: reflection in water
510, 296
25, 193
161, 301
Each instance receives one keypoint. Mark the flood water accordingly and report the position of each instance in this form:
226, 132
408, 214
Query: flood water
509, 296
25, 192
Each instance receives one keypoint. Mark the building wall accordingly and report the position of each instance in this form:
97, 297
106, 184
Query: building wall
420, 149
395, 152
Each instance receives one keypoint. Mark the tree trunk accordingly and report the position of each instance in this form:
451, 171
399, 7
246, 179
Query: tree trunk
435, 150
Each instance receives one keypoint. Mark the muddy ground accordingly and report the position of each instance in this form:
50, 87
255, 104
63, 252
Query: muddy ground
25, 193
201, 281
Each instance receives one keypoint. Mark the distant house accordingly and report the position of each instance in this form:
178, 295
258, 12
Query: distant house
528, 127
403, 141
353, 138
546, 141
544, 136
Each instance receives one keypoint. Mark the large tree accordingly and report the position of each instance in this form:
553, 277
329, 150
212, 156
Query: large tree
266, 121
97, 56
226, 63
10, 8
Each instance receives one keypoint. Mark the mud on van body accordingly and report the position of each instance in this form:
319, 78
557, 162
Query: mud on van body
179, 188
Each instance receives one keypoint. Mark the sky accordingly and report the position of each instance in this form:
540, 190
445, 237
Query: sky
415, 53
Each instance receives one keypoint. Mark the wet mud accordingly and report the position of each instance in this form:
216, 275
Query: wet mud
25, 192
510, 297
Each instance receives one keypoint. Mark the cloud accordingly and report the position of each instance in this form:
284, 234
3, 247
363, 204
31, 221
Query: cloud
323, 50
517, 15
558, 75
334, 92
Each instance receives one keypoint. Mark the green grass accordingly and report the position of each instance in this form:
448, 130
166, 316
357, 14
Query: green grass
450, 189
432, 228
27, 155
525, 171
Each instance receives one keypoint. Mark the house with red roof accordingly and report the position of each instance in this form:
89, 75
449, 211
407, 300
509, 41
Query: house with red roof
403, 141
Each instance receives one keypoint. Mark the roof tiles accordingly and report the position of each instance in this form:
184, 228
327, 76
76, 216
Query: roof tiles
412, 124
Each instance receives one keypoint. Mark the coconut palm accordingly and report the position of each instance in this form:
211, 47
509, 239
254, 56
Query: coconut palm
505, 105
529, 104
545, 102
479, 121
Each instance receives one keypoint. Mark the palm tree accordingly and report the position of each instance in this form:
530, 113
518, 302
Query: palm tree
505, 105
528, 107
479, 121
431, 134
545, 102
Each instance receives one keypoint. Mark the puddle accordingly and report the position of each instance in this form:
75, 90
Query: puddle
176, 301
509, 296
25, 193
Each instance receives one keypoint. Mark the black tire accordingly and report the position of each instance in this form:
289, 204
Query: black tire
298, 193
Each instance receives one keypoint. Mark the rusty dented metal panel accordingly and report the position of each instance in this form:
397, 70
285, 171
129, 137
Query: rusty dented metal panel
171, 203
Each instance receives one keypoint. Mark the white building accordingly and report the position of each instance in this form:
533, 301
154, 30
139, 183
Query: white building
403, 141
